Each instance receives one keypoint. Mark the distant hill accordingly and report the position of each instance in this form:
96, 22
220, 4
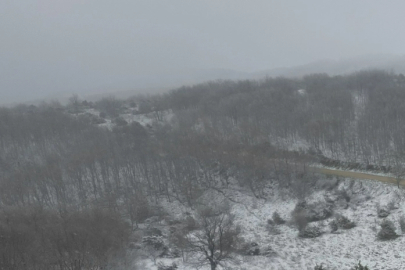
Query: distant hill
338, 67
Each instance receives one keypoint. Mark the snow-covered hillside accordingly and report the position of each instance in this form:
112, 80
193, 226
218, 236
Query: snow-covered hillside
358, 200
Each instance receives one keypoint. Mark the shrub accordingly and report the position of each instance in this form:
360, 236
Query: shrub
109, 106
387, 231
251, 249
102, 115
162, 266
343, 194
154, 241
191, 223
272, 229
310, 232
119, 121
154, 232
360, 267
270, 222
383, 212
268, 252
300, 219
277, 218
304, 213
299, 215
319, 211
345, 223
333, 226
319, 267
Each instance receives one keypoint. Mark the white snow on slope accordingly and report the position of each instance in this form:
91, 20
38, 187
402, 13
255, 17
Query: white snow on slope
336, 251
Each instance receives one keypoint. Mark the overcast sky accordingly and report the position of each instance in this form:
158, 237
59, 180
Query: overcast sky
66, 46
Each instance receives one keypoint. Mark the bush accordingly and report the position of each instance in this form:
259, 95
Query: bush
119, 121
360, 267
268, 252
383, 212
300, 219
154, 241
333, 226
345, 223
251, 249
319, 211
162, 266
304, 213
270, 222
299, 215
154, 232
109, 106
387, 231
310, 232
277, 218
319, 267
191, 223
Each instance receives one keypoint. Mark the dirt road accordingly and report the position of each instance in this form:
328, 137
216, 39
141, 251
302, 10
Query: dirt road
359, 175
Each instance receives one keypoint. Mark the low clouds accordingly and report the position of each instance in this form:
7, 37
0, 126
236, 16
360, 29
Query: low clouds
63, 46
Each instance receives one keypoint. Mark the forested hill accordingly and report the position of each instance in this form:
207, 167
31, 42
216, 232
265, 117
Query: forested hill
90, 164
358, 117
355, 118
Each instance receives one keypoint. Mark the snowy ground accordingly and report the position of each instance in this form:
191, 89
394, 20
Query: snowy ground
340, 250
336, 251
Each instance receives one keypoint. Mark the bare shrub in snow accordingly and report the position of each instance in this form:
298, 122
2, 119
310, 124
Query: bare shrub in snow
251, 249
382, 211
162, 266
387, 231
179, 239
319, 267
319, 211
333, 226
359, 266
154, 241
299, 218
343, 194
304, 213
310, 231
277, 218
270, 221
191, 224
344, 223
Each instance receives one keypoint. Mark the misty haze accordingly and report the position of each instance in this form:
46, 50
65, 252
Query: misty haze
165, 135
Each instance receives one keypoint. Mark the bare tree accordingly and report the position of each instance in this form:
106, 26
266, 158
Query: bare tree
74, 103
216, 239
398, 168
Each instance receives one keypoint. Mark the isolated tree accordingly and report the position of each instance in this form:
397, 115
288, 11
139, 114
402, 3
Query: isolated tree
398, 168
110, 106
216, 239
74, 103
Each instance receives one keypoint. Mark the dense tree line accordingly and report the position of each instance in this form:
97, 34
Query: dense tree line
56, 161
356, 117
